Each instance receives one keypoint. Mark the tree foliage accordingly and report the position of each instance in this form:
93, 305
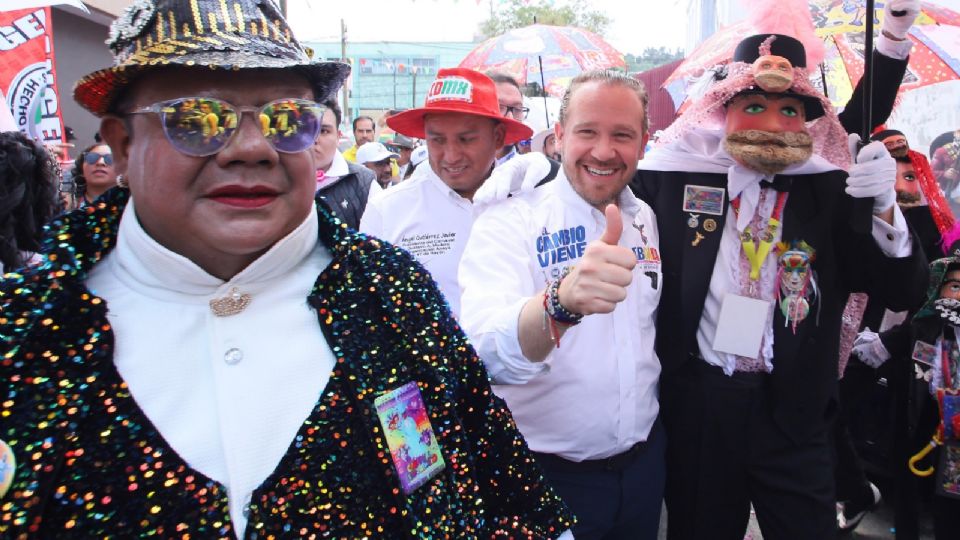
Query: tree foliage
509, 14
650, 58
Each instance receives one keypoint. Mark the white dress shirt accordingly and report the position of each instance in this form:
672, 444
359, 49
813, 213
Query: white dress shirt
596, 395
427, 218
337, 170
701, 150
227, 393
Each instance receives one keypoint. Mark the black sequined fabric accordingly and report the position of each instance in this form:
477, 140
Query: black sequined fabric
91, 465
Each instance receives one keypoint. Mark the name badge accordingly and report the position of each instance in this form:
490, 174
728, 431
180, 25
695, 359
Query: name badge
924, 353
8, 466
406, 426
703, 199
741, 325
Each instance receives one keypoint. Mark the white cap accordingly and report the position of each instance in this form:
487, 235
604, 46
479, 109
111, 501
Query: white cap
373, 152
419, 155
540, 139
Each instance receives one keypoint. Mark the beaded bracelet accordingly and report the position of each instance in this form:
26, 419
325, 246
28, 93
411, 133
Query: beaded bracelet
553, 306
554, 312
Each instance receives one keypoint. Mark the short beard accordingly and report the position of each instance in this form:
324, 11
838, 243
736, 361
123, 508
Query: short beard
908, 200
768, 152
899, 152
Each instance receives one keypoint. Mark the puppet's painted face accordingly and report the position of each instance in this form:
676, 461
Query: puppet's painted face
896, 145
951, 285
773, 73
908, 189
767, 132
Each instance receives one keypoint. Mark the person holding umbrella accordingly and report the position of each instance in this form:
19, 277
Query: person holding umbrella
753, 191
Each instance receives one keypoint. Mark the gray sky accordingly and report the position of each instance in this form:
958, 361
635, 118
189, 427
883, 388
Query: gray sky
656, 23
637, 24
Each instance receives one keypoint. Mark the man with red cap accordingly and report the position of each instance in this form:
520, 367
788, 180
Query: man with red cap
431, 214
755, 194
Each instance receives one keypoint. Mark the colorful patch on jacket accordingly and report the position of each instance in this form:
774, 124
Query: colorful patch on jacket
413, 446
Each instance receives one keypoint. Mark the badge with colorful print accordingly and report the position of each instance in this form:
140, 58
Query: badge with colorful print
406, 426
703, 199
8, 466
797, 286
924, 353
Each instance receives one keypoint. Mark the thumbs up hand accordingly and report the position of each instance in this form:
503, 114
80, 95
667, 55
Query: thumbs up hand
599, 282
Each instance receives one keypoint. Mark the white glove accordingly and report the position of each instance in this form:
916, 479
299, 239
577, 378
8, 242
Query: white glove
870, 349
874, 174
518, 175
899, 26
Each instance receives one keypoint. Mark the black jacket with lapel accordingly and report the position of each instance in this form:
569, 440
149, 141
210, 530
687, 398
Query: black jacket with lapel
803, 381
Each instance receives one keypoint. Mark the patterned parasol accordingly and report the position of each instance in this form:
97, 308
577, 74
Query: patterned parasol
565, 52
935, 57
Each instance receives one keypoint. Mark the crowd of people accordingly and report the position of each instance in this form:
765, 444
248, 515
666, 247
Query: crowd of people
226, 325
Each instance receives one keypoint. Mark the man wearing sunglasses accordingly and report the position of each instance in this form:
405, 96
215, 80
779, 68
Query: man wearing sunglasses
210, 354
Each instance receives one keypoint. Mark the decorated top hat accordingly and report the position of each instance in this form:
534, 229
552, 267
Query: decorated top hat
750, 49
240, 34
767, 53
459, 90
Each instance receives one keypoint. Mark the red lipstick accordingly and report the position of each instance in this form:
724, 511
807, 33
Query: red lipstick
243, 196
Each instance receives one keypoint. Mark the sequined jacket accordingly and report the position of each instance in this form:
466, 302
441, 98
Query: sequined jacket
90, 463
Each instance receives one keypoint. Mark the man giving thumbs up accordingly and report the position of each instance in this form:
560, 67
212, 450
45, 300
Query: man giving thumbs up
560, 288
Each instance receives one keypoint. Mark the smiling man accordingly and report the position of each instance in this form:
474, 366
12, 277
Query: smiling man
431, 214
210, 353
560, 288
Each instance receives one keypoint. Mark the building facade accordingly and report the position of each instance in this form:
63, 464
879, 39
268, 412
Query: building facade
390, 75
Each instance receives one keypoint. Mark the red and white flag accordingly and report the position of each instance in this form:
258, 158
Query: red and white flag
28, 75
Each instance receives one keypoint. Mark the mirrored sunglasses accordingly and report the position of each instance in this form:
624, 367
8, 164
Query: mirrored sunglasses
201, 126
92, 158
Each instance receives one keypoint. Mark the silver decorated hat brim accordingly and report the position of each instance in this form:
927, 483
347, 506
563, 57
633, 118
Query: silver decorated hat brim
97, 91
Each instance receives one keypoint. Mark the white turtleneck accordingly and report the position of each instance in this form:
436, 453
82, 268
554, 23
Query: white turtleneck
227, 393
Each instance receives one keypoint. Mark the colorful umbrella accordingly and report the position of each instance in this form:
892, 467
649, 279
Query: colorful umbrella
564, 51
935, 57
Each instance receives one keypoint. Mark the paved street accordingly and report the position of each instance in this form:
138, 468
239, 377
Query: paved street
876, 526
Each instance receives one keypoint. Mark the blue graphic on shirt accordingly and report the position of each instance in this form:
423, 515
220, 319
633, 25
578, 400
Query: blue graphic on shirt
561, 246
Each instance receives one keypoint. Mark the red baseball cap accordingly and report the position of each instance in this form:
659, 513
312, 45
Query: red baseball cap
459, 90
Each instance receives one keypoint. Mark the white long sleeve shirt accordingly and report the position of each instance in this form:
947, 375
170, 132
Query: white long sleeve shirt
227, 393
427, 218
596, 395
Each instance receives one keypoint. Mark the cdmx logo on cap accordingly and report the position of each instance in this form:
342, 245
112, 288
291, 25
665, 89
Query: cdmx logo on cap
458, 91
450, 89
